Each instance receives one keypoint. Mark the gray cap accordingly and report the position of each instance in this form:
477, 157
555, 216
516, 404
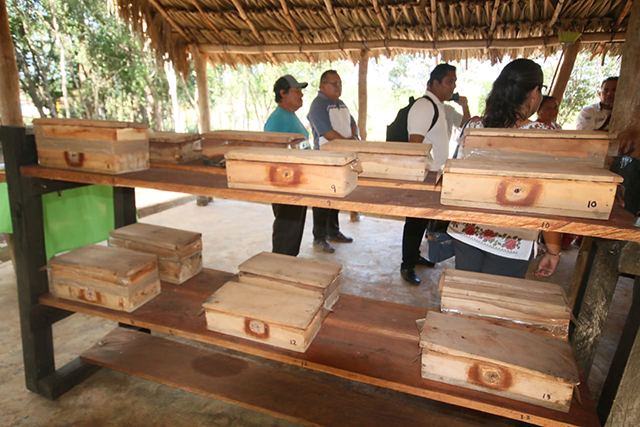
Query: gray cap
287, 81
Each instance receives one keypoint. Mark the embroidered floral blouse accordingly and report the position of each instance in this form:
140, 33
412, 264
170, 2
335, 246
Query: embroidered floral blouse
514, 243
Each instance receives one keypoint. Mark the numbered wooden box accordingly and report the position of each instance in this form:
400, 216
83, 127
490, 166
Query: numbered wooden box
498, 360
216, 144
279, 271
542, 188
115, 278
174, 148
179, 252
390, 160
530, 304
287, 317
320, 173
91, 145
563, 147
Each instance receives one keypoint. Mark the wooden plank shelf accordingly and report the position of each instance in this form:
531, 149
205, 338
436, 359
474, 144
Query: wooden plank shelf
364, 340
376, 200
283, 391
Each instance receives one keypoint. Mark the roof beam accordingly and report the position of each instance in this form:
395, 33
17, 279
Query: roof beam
169, 19
334, 19
513, 43
494, 19
294, 29
253, 28
556, 14
434, 26
208, 21
623, 14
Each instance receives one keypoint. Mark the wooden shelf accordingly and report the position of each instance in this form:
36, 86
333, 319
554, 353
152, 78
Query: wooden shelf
382, 200
364, 340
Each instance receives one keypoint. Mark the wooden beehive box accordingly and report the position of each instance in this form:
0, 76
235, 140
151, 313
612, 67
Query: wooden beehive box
278, 271
92, 145
536, 305
498, 360
216, 144
574, 191
320, 173
577, 147
287, 317
175, 148
179, 251
115, 278
391, 160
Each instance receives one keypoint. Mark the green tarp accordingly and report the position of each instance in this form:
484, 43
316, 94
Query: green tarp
75, 218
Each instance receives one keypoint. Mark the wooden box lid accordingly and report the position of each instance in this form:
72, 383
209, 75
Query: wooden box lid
155, 235
172, 137
114, 265
284, 155
461, 336
292, 269
112, 124
96, 132
289, 307
241, 136
530, 170
537, 133
377, 147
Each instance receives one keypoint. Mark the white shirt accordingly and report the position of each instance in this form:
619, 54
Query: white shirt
419, 119
592, 117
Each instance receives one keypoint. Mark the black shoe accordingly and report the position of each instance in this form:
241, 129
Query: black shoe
409, 276
340, 238
425, 262
324, 246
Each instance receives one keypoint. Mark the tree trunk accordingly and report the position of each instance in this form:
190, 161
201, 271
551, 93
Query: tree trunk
178, 124
10, 109
63, 68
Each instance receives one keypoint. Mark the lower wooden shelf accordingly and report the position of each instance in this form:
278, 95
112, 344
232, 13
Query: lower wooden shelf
364, 340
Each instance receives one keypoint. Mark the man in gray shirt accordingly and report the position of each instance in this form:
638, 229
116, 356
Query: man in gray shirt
330, 119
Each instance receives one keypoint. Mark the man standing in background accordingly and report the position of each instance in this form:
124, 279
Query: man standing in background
330, 119
288, 225
597, 116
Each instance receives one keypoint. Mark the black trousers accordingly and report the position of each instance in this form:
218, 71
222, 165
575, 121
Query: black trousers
288, 228
470, 258
325, 223
412, 235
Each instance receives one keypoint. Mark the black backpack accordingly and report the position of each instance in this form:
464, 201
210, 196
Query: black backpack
397, 131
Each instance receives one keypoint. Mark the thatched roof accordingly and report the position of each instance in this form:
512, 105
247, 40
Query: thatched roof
254, 31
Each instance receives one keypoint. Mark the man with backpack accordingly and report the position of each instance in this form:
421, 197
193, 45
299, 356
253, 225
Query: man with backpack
428, 120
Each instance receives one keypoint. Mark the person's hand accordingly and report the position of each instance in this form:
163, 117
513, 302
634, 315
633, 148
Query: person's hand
547, 265
462, 101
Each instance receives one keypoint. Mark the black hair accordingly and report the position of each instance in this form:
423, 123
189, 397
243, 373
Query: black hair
545, 98
323, 77
279, 95
609, 79
439, 73
509, 93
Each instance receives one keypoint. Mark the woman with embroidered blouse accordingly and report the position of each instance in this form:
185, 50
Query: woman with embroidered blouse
515, 96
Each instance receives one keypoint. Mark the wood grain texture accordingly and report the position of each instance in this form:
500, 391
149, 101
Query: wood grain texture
231, 136
369, 341
537, 133
376, 200
171, 239
283, 155
109, 124
377, 147
294, 394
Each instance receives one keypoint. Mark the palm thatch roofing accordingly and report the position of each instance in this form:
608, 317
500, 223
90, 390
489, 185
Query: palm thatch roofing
255, 31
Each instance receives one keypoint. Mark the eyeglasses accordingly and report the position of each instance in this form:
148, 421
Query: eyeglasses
544, 89
334, 84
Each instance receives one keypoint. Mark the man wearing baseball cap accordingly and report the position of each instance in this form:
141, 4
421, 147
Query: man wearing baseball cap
288, 225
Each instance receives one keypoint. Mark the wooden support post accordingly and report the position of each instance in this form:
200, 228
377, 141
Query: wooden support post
363, 67
579, 270
10, 110
619, 404
200, 62
28, 231
570, 53
594, 299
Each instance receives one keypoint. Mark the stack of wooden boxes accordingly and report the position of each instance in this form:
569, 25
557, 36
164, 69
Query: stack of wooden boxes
278, 300
115, 278
91, 145
216, 144
179, 252
389, 160
174, 148
546, 172
320, 173
502, 336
